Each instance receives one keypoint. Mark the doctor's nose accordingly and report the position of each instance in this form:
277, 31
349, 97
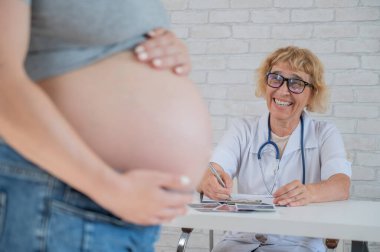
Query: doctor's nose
284, 88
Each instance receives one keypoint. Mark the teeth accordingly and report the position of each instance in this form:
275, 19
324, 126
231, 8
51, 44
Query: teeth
282, 103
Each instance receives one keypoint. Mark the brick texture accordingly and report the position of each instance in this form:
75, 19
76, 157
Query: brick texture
228, 39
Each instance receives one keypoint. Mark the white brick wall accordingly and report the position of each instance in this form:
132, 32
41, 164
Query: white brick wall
228, 39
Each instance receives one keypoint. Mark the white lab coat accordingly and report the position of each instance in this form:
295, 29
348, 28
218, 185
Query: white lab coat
237, 155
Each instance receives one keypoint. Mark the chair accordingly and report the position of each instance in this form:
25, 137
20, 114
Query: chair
331, 244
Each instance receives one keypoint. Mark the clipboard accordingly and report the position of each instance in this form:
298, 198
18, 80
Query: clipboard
238, 198
232, 208
238, 203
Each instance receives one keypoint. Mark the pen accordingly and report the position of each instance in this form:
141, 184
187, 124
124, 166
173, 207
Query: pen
280, 205
217, 175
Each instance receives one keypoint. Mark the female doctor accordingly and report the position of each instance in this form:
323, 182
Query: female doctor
284, 153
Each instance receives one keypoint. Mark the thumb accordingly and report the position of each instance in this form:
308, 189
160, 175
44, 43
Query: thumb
178, 183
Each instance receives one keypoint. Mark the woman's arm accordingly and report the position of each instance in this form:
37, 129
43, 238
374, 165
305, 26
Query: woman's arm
210, 186
335, 171
226, 157
337, 187
31, 123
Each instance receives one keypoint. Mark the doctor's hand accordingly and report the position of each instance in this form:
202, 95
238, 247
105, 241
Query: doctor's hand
163, 50
293, 194
210, 186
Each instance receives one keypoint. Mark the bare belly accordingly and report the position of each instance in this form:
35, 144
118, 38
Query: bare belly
135, 117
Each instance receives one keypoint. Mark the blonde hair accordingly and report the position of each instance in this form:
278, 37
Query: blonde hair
298, 59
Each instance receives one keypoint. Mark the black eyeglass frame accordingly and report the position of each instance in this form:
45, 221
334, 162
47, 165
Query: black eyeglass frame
287, 82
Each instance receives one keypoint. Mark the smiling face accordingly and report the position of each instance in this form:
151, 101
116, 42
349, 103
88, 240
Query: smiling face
285, 106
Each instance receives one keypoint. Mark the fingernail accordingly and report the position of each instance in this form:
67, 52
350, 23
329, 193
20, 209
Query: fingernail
139, 49
142, 56
185, 180
178, 69
157, 62
151, 33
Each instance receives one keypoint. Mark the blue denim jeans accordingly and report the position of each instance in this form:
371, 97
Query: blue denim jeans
38, 212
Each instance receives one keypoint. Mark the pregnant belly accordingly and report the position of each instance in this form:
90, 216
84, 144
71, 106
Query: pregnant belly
135, 117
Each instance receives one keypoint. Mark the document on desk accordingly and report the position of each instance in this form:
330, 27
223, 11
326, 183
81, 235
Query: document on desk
239, 198
237, 203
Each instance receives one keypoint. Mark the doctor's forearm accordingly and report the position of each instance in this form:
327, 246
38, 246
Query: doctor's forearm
337, 187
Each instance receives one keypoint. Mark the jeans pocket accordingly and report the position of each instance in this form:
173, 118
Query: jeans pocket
85, 213
74, 229
3, 203
77, 229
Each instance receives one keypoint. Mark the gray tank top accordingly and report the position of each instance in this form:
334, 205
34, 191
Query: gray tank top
68, 34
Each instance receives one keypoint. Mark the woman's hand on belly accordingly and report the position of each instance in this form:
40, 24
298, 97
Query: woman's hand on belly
163, 50
144, 197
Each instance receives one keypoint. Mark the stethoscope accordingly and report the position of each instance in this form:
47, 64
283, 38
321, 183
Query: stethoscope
277, 152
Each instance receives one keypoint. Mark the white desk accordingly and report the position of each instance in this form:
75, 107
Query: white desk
348, 220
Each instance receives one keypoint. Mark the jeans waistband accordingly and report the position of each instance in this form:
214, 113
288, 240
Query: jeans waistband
14, 166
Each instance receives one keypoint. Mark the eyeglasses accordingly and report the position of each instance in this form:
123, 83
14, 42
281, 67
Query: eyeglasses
295, 86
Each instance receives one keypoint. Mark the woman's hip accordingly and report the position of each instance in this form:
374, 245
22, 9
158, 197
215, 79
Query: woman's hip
38, 212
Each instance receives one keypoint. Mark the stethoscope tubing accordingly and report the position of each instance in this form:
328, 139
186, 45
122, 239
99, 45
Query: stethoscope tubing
303, 153
270, 142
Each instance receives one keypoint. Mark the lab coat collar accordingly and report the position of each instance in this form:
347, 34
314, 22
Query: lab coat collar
261, 135
294, 143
